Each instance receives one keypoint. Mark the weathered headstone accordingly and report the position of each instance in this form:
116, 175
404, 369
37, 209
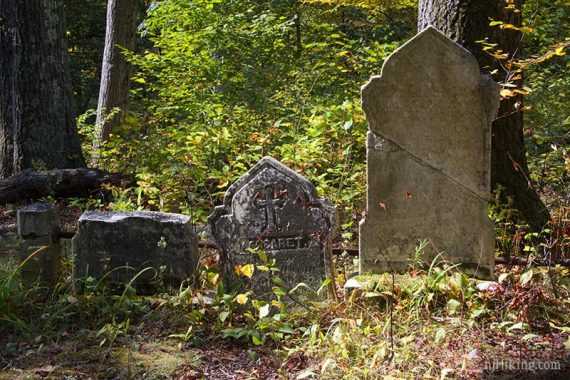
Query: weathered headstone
428, 153
119, 245
40, 248
275, 210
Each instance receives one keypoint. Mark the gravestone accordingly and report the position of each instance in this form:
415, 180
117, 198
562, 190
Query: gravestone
40, 248
117, 246
275, 210
428, 157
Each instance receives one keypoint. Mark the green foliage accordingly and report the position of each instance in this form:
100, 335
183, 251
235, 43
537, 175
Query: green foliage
251, 319
224, 83
547, 125
389, 327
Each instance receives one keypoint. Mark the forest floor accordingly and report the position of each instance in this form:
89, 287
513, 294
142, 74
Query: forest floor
354, 338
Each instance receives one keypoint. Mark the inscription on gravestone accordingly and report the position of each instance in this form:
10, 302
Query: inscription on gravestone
428, 157
274, 209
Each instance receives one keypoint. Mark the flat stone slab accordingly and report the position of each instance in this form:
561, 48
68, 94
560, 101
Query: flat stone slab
119, 245
428, 157
274, 210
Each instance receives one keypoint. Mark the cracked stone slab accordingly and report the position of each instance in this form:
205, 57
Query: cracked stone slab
273, 209
428, 157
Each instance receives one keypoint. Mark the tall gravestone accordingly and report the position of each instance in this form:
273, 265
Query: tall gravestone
275, 210
428, 156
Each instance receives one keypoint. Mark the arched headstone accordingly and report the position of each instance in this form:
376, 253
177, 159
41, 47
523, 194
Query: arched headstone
275, 210
428, 157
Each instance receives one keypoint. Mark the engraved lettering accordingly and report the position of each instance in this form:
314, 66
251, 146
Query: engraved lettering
273, 243
291, 243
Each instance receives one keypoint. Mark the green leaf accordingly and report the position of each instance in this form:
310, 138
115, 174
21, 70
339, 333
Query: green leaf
223, 316
262, 256
256, 340
324, 285
277, 280
440, 335
264, 311
301, 285
502, 277
517, 326
453, 305
529, 336
526, 277
286, 329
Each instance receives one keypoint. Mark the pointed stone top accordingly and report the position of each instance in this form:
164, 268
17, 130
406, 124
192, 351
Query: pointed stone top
264, 164
432, 101
430, 47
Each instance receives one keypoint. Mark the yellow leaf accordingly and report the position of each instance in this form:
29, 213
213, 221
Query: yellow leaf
245, 270
277, 304
508, 26
241, 299
506, 93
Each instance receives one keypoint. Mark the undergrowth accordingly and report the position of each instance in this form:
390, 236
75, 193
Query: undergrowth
395, 325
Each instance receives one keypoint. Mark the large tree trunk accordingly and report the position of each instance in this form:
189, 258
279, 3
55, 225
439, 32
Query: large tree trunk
37, 124
116, 71
467, 21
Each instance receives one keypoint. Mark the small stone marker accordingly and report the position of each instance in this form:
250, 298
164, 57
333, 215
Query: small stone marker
38, 225
119, 245
276, 210
428, 157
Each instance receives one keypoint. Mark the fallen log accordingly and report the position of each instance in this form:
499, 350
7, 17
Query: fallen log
61, 183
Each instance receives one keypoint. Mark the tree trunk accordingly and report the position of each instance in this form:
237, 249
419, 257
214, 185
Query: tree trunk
116, 71
37, 124
30, 185
467, 21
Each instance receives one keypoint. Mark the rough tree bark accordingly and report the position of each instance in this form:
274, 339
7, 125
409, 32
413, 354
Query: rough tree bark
37, 124
467, 21
62, 183
116, 71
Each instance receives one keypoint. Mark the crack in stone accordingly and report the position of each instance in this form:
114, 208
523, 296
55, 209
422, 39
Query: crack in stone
381, 143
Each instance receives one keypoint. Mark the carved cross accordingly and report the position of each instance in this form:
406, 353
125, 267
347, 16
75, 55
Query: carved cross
269, 204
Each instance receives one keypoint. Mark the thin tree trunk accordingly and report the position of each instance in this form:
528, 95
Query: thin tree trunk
298, 37
467, 21
37, 123
116, 71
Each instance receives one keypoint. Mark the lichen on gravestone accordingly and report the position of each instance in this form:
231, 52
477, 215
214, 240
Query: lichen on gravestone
428, 158
273, 213
154, 249
40, 248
